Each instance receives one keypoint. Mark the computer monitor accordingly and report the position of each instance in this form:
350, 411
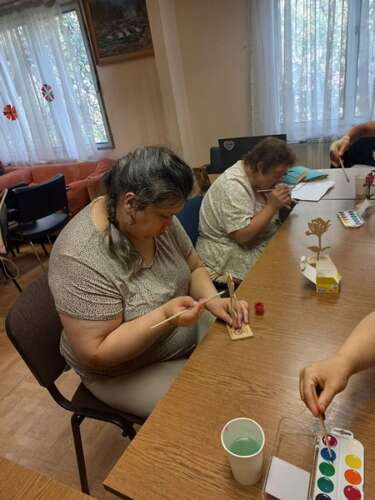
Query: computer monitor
233, 149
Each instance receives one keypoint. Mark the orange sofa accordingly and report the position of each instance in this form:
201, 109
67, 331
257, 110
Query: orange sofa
83, 179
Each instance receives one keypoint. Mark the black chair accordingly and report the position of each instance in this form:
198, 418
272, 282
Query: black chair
42, 210
189, 217
6, 264
34, 328
216, 165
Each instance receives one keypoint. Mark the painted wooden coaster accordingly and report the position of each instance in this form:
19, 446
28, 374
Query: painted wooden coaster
244, 332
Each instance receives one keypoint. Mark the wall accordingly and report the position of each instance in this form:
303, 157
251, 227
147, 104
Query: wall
216, 60
203, 61
132, 98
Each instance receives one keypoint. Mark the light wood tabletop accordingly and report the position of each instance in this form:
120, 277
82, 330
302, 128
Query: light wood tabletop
177, 453
18, 482
344, 190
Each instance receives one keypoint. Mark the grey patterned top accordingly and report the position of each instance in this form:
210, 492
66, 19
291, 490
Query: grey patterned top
88, 283
229, 205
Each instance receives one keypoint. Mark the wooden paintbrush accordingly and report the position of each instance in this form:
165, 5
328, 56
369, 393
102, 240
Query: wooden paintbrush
186, 310
343, 169
322, 422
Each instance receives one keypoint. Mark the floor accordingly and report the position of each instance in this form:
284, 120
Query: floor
34, 430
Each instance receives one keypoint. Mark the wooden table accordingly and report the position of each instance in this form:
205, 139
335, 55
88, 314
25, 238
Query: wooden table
18, 482
344, 190
177, 453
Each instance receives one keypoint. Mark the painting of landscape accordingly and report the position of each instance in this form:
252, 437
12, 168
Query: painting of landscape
119, 29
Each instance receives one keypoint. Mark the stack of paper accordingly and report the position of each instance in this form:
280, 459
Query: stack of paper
311, 191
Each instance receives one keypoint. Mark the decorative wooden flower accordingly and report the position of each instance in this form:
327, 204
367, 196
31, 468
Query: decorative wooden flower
47, 92
318, 227
369, 182
10, 112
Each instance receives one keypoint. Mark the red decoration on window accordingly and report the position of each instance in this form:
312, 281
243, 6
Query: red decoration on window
47, 92
10, 112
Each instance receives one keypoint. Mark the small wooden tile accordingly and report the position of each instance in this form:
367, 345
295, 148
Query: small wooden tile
244, 332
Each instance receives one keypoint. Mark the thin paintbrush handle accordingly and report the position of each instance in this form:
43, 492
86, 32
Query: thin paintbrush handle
343, 169
185, 310
299, 179
321, 420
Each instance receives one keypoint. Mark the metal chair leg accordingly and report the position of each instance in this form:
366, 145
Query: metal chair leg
76, 422
129, 432
17, 284
37, 256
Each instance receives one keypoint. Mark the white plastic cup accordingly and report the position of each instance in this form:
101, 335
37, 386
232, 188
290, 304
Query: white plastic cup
246, 469
360, 187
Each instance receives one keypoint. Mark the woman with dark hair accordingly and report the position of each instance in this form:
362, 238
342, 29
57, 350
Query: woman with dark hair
124, 264
237, 219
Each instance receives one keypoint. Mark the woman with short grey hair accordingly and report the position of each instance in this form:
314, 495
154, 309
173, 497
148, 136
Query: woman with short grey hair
123, 265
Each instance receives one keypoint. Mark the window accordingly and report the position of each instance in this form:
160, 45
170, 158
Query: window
49, 93
328, 52
74, 25
313, 67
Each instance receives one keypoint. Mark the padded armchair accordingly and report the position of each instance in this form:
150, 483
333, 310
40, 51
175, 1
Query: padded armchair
83, 179
34, 328
42, 210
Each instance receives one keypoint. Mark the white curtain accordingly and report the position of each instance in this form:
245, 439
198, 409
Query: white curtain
40, 86
313, 69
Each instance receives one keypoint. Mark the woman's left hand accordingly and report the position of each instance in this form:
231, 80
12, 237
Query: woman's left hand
221, 309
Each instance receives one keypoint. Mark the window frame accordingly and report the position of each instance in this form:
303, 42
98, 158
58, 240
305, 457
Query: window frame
74, 5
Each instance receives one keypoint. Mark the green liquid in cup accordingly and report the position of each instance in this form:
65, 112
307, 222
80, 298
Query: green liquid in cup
243, 446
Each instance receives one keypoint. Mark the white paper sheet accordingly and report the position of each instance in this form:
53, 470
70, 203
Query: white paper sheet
286, 481
311, 191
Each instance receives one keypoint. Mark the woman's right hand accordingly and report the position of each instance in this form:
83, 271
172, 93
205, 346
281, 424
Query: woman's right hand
192, 308
338, 148
327, 378
279, 197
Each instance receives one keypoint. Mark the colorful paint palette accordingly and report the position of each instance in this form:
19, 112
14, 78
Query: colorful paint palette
350, 218
339, 475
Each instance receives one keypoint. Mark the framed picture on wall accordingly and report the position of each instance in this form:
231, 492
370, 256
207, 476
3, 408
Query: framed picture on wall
118, 29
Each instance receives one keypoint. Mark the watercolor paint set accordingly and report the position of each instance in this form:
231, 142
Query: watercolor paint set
302, 467
338, 472
350, 218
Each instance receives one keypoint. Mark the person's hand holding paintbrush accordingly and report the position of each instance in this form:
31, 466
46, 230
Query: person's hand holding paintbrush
319, 383
279, 196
